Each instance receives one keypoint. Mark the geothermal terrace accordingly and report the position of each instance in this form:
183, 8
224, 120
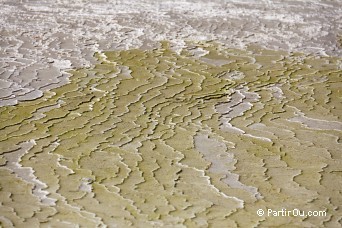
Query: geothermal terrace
185, 113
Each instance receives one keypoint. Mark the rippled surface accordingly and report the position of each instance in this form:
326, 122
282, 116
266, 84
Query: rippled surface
203, 137
41, 40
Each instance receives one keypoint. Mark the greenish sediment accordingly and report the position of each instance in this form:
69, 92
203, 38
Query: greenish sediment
159, 138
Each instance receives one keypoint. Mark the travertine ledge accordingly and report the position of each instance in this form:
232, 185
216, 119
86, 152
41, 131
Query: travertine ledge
41, 40
159, 138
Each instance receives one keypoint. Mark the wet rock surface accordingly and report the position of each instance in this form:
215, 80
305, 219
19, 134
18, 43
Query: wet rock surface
165, 139
116, 128
41, 40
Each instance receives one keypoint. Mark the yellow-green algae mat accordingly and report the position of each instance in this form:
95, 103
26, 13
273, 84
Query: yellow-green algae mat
156, 138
